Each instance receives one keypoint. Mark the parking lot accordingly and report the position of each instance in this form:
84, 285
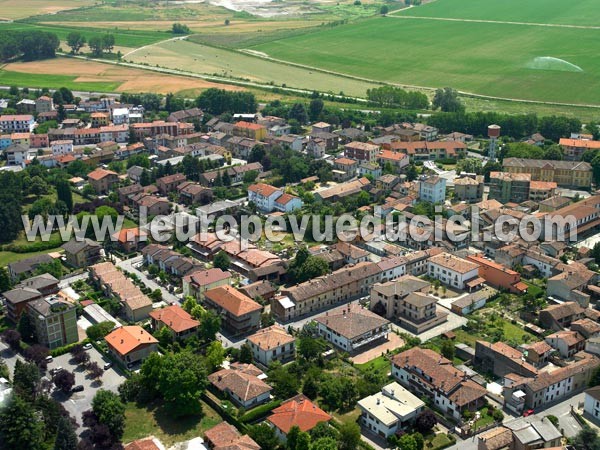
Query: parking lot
78, 402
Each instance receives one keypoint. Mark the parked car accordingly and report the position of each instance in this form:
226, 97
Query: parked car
107, 366
87, 346
529, 412
49, 358
77, 388
55, 370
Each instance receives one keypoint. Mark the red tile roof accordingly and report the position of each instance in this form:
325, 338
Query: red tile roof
175, 317
232, 300
300, 412
128, 338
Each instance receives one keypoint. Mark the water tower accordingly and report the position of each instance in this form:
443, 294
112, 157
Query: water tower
493, 134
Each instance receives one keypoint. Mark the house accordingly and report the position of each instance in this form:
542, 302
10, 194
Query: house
130, 239
397, 160
352, 327
239, 312
170, 182
191, 115
152, 205
54, 320
538, 353
541, 190
25, 106
134, 173
151, 443
454, 271
196, 283
343, 190
588, 328
369, 168
62, 147
194, 194
432, 189
99, 119
566, 342
273, 343
287, 203
425, 372
25, 267
243, 383
262, 289
469, 188
575, 148
226, 437
470, 303
498, 438
570, 285
176, 319
102, 180
316, 147
563, 173
263, 196
17, 123
321, 127
250, 130
557, 317
18, 155
299, 412
534, 432
361, 151
387, 182
501, 359
130, 344
82, 253
591, 404
498, 276
390, 411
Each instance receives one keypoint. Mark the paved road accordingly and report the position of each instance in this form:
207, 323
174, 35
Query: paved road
9, 357
129, 266
568, 425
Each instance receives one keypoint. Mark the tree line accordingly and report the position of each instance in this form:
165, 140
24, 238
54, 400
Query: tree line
97, 44
394, 97
31, 45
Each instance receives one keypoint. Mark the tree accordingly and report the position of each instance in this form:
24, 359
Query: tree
110, 411
587, 439
12, 338
95, 370
20, 428
221, 260
264, 436
407, 442
215, 354
210, 324
179, 28
324, 443
64, 380
349, 436
246, 354
66, 438
310, 347
26, 328
108, 42
411, 173
37, 354
447, 100
76, 41
425, 421
63, 192
384, 10
96, 45
99, 330
285, 384
315, 108
298, 112
5, 283
447, 349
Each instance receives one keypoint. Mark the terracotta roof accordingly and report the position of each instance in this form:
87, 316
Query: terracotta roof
266, 190
496, 438
129, 235
232, 300
285, 199
226, 437
98, 174
582, 143
539, 348
128, 338
300, 412
569, 337
271, 337
144, 444
345, 161
175, 317
453, 263
249, 125
563, 310
542, 185
467, 392
584, 361
205, 277
351, 321
241, 380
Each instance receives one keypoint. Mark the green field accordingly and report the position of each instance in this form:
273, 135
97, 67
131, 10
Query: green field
580, 12
123, 37
483, 58
8, 78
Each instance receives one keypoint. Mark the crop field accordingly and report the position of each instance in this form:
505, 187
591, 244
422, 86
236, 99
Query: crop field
19, 9
97, 77
580, 12
189, 56
497, 59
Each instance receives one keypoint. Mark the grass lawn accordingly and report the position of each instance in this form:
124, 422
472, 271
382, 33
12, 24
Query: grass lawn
9, 78
484, 419
380, 364
9, 257
153, 420
350, 416
487, 58
533, 289
437, 441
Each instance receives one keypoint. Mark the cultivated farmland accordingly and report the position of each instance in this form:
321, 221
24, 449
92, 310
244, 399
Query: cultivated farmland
484, 58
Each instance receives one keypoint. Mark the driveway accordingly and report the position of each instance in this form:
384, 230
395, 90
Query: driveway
129, 265
79, 402
394, 341
567, 423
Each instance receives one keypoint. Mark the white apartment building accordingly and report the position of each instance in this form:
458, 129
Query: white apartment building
452, 270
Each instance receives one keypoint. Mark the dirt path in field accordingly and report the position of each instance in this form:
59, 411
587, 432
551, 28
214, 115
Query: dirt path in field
178, 38
533, 24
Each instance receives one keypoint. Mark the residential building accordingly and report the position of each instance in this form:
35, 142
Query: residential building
343, 190
501, 359
568, 343
575, 148
18, 155
352, 327
273, 343
425, 372
509, 187
55, 322
469, 188
454, 271
191, 115
130, 344
250, 130
390, 411
33, 288
196, 283
130, 239
226, 437
100, 119
169, 183
538, 354
102, 180
343, 285
22, 269
557, 317
432, 189
299, 412
194, 194
287, 203
243, 383
361, 151
470, 303
264, 196
499, 276
534, 432
591, 404
62, 147
176, 319
17, 123
397, 160
571, 285
588, 328
541, 190
82, 253
563, 173
239, 312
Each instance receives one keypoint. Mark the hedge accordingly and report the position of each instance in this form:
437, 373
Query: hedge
260, 411
38, 246
66, 348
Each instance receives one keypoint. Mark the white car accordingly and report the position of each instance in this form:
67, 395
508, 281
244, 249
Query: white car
87, 346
